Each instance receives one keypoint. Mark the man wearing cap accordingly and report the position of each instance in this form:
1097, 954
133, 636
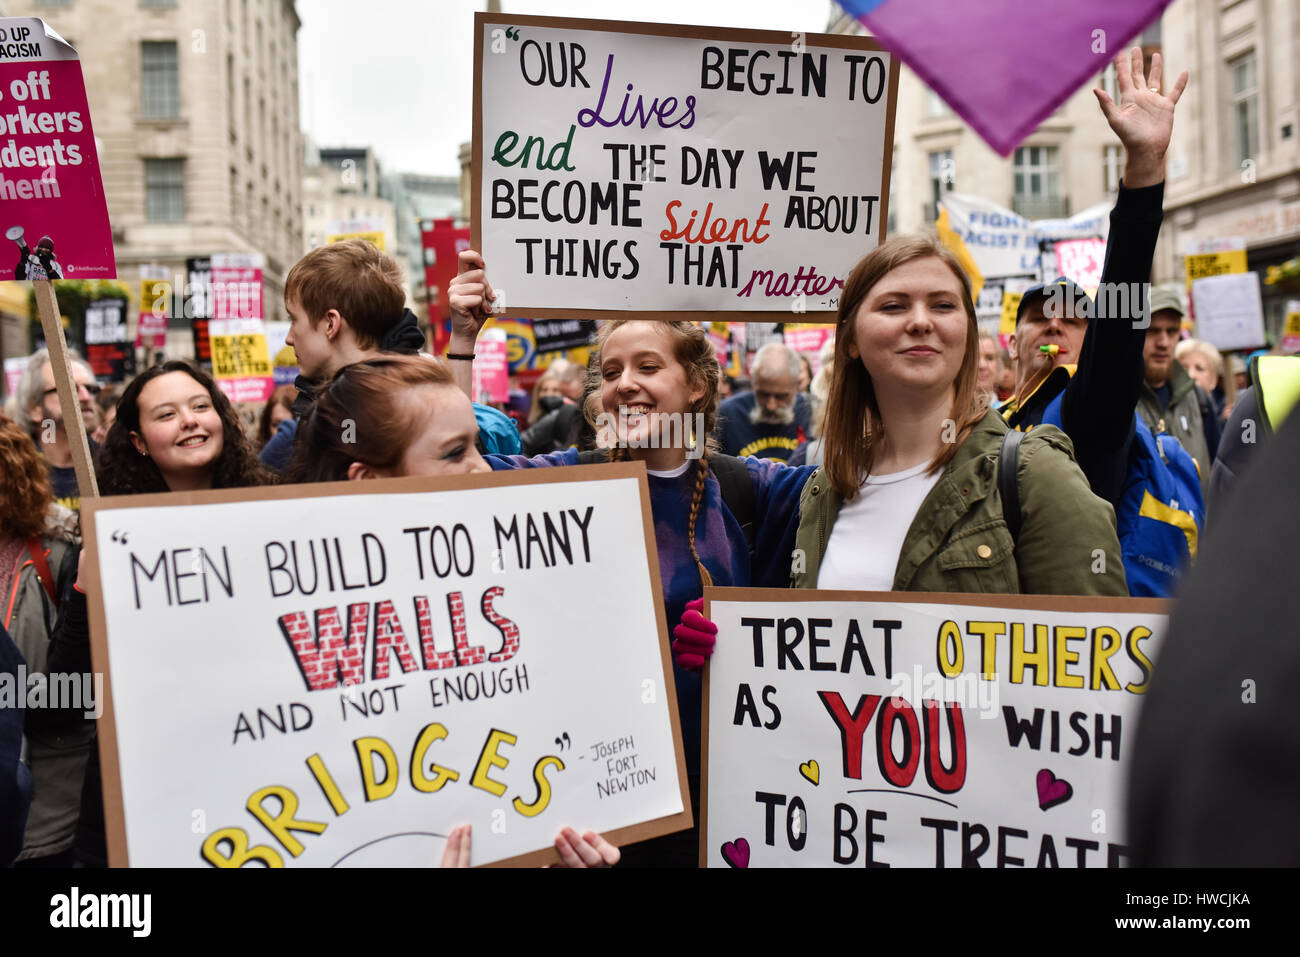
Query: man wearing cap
1169, 400
1062, 344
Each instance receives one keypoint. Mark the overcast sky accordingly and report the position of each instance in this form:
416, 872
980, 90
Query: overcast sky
397, 75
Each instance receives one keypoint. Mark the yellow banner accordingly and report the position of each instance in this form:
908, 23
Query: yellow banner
1010, 303
240, 357
1214, 264
374, 237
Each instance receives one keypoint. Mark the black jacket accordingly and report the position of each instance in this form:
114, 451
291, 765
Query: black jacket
1097, 411
1215, 757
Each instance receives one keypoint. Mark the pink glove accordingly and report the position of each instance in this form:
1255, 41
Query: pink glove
695, 638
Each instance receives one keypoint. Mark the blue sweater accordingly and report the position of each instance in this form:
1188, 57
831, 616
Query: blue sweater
721, 544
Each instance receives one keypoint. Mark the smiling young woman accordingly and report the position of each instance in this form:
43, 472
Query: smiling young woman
908, 499
176, 432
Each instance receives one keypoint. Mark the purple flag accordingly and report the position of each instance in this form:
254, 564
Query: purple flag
1005, 65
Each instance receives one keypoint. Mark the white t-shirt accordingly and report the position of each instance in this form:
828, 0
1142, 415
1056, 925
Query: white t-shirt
862, 554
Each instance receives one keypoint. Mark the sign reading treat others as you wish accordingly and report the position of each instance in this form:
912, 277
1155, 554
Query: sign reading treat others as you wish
636, 169
850, 729
336, 675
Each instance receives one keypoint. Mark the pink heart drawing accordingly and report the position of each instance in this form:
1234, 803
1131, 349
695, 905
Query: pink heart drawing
736, 853
1052, 790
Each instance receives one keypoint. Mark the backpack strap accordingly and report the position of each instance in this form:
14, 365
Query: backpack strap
42, 567
1008, 488
737, 492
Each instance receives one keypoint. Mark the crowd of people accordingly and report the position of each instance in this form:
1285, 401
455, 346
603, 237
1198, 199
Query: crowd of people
911, 454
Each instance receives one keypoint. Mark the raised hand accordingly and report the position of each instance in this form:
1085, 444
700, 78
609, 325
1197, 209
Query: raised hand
470, 297
1144, 118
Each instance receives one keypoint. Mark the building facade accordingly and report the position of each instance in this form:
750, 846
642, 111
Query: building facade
1234, 163
195, 106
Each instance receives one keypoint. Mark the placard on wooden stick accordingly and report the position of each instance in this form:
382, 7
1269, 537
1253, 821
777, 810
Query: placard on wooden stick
639, 170
381, 661
73, 425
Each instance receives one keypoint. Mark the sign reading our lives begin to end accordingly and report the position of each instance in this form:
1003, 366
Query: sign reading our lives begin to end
921, 730
635, 169
336, 675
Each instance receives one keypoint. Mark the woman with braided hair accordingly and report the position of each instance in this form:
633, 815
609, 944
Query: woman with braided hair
654, 388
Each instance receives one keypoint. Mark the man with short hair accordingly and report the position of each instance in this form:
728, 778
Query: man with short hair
346, 304
771, 421
38, 400
1170, 401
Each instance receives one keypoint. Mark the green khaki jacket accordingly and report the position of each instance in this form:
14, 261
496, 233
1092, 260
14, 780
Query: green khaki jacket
959, 542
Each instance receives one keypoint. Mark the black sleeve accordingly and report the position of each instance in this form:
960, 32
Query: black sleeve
1097, 409
539, 438
1214, 755
15, 780
1209, 422
1241, 438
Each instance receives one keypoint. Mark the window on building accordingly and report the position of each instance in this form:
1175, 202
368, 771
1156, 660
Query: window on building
934, 104
157, 3
1112, 165
1037, 191
943, 179
164, 190
1109, 81
891, 224
1245, 106
160, 82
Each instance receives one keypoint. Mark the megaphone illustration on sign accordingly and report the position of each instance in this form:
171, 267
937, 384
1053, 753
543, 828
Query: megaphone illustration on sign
15, 233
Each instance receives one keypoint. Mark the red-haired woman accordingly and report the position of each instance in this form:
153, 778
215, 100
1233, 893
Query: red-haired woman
38, 555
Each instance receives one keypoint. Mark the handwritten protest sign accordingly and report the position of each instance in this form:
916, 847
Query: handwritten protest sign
631, 169
1081, 261
339, 674
1229, 310
921, 730
50, 189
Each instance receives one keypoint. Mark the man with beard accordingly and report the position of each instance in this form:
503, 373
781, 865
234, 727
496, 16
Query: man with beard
771, 421
36, 405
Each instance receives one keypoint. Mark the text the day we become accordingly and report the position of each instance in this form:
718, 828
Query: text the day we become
702, 241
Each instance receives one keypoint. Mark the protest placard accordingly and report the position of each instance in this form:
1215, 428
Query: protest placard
50, 188
556, 335
370, 229
1291, 327
338, 674
491, 378
921, 730
627, 170
1229, 310
108, 344
241, 363
1081, 261
1004, 243
155, 294
236, 290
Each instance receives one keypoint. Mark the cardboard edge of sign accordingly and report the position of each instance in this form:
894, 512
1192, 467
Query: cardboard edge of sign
685, 32
110, 765
793, 596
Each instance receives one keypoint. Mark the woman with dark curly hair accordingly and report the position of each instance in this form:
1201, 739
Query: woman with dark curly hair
176, 432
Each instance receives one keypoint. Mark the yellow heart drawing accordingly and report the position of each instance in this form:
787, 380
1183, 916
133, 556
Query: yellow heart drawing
810, 770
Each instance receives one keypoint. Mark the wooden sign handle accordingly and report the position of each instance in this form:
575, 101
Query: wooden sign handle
73, 425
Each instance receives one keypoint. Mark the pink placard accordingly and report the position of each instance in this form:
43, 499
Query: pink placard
1080, 260
51, 193
491, 371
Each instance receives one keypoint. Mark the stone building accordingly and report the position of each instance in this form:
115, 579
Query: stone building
195, 106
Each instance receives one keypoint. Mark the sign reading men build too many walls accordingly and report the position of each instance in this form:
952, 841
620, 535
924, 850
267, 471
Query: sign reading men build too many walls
926, 730
628, 169
52, 202
340, 678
